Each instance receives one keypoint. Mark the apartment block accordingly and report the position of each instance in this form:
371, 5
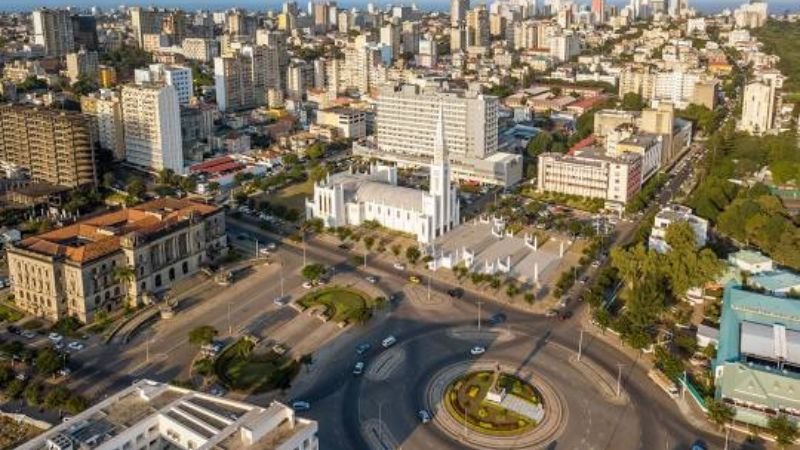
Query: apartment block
351, 123
200, 49
233, 79
152, 124
105, 108
55, 147
114, 259
52, 29
758, 108
179, 77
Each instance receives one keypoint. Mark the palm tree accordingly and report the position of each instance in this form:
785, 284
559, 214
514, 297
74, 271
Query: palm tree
720, 413
124, 274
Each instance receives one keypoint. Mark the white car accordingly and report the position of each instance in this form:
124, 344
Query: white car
28, 334
76, 346
424, 416
399, 266
55, 337
358, 369
281, 301
271, 246
477, 350
389, 341
372, 279
308, 285
301, 405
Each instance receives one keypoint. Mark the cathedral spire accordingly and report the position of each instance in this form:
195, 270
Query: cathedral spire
439, 146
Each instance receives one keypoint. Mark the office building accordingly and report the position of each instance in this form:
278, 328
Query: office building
106, 76
52, 146
390, 36
52, 29
105, 108
82, 64
458, 12
299, 78
758, 108
428, 53
599, 10
156, 415
564, 46
73, 271
591, 173
84, 31
351, 123
478, 31
152, 126
233, 78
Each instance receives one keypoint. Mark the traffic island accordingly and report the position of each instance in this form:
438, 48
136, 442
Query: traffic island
491, 405
342, 305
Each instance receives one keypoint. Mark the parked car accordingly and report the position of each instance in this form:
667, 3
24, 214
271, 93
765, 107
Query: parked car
282, 300
497, 318
76, 346
13, 329
358, 369
372, 279
389, 341
55, 337
308, 285
477, 350
455, 292
301, 405
363, 348
414, 279
551, 313
399, 266
424, 416
28, 334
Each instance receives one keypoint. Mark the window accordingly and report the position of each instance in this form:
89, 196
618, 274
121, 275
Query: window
171, 273
158, 280
185, 267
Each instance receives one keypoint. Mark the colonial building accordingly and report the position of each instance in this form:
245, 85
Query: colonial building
104, 262
351, 198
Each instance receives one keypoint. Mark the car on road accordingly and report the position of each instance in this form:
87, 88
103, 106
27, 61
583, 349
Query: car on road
28, 334
477, 350
699, 445
55, 337
455, 292
217, 391
551, 313
281, 301
13, 329
301, 405
76, 346
271, 246
64, 372
372, 279
363, 348
389, 341
563, 302
358, 369
584, 280
498, 318
595, 264
424, 416
308, 285
566, 315
414, 279
58, 345
399, 266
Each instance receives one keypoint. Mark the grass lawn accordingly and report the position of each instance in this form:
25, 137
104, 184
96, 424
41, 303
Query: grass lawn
468, 393
293, 196
341, 305
592, 205
240, 369
7, 313
13, 433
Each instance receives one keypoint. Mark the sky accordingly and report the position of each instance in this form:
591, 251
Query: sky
705, 6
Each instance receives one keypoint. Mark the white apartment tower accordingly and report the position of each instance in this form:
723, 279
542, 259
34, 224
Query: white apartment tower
152, 123
458, 12
758, 109
52, 29
179, 77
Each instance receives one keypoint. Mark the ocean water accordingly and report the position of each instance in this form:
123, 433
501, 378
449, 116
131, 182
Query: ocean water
705, 6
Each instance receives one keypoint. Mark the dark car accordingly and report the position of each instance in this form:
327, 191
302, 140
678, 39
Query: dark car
363, 348
497, 319
566, 315
13, 329
456, 292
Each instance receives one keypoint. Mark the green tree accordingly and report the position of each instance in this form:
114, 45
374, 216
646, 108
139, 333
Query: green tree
203, 334
56, 397
290, 159
541, 143
783, 430
135, 188
719, 412
318, 173
369, 242
48, 361
33, 394
313, 272
396, 250
413, 254
316, 151
632, 102
15, 388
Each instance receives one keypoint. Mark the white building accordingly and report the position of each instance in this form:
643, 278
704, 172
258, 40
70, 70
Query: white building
82, 64
152, 124
105, 107
152, 415
564, 46
179, 77
758, 107
199, 49
671, 214
53, 30
351, 199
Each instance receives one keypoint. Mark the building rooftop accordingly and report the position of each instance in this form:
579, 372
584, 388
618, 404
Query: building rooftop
186, 415
98, 236
750, 257
776, 281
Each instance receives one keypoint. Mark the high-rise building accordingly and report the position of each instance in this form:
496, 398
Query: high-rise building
390, 36
299, 78
54, 147
406, 115
52, 29
82, 64
599, 10
478, 32
70, 271
428, 53
458, 12
85, 32
233, 78
758, 108
153, 21
105, 107
564, 46
106, 76
179, 77
200, 49
152, 124
409, 37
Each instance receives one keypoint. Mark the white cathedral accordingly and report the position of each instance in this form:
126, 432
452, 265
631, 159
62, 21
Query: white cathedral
349, 198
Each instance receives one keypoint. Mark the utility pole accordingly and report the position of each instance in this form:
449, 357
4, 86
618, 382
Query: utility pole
479, 315
365, 260
147, 350
429, 287
282, 293
619, 378
304, 249
230, 327
580, 345
380, 422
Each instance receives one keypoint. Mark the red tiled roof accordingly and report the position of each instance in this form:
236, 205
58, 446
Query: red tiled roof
583, 143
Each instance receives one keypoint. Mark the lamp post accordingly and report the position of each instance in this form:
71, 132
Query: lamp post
580, 345
619, 378
479, 315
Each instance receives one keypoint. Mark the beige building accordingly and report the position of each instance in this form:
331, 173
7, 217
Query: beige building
106, 76
705, 94
53, 30
607, 120
478, 31
149, 415
351, 123
199, 49
82, 64
152, 127
105, 262
55, 147
591, 173
105, 107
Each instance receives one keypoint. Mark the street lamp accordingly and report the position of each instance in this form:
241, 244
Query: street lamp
479, 315
619, 378
580, 346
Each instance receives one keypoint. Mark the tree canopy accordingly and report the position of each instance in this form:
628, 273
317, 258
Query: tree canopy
203, 334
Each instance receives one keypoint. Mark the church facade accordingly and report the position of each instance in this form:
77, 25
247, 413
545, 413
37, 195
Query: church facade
350, 199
